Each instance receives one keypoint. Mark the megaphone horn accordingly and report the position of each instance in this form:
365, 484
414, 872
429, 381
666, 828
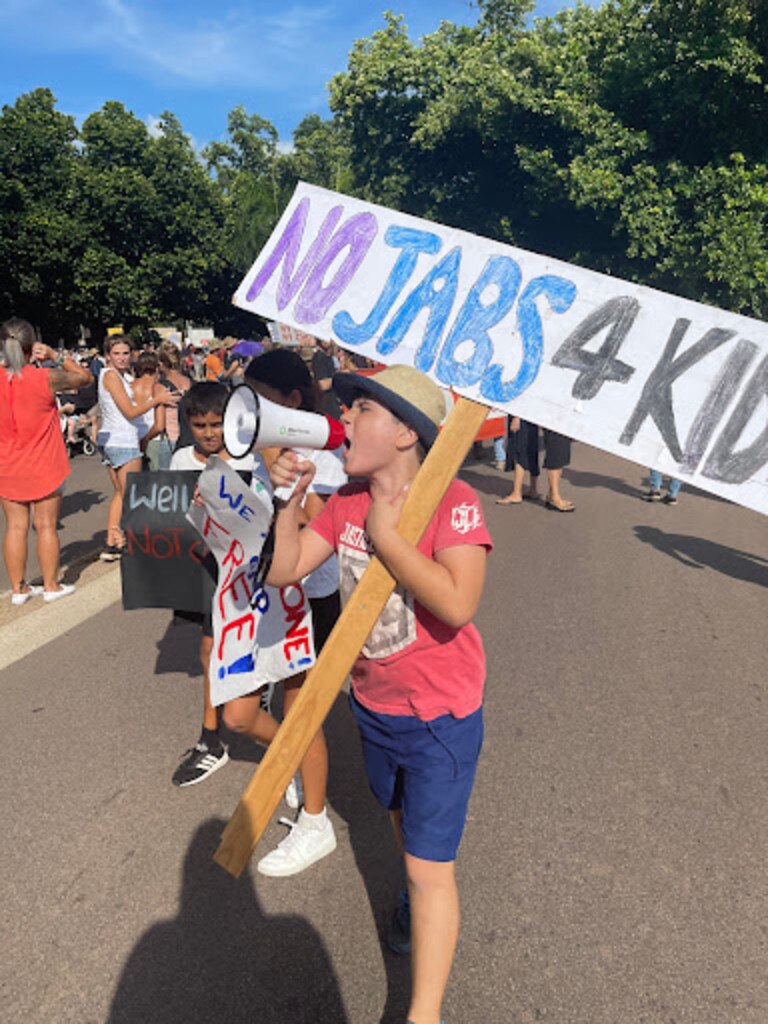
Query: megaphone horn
254, 422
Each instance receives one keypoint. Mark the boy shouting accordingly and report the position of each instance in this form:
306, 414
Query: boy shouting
417, 684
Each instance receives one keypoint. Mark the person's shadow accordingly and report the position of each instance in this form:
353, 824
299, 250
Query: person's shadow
699, 553
223, 959
370, 835
79, 501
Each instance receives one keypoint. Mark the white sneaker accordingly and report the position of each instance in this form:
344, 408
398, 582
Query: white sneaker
65, 589
304, 844
19, 599
294, 793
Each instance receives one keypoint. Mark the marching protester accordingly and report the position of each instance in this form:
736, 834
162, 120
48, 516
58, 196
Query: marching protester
557, 455
120, 431
417, 684
204, 403
33, 457
522, 456
178, 383
153, 440
282, 377
323, 370
654, 493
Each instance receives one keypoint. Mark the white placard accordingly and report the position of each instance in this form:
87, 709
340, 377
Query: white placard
662, 381
260, 634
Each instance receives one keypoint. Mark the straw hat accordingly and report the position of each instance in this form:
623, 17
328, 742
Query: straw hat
406, 392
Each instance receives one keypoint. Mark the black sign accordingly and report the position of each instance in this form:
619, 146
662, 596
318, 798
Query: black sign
165, 562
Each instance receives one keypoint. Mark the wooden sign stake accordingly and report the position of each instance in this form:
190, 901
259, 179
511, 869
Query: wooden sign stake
265, 790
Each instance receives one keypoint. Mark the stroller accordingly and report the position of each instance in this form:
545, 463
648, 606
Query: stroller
80, 440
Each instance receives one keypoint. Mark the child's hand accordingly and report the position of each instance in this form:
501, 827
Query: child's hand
197, 498
384, 515
287, 468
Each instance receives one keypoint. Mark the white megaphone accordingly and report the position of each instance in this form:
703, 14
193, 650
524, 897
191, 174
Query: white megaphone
251, 421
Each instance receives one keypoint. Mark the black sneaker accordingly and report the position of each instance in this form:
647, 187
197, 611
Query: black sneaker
200, 762
111, 553
652, 495
265, 697
399, 933
669, 499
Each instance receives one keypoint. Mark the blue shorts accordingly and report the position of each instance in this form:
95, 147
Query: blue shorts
425, 770
117, 457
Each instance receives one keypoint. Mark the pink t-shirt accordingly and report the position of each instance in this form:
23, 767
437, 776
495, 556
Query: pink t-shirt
412, 663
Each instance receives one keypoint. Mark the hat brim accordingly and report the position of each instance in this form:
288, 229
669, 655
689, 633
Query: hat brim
348, 385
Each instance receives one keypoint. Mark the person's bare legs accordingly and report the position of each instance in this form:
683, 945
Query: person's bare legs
210, 713
245, 715
435, 916
517, 494
314, 766
46, 516
554, 496
115, 510
15, 542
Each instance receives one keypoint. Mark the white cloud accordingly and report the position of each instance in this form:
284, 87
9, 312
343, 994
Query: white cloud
153, 125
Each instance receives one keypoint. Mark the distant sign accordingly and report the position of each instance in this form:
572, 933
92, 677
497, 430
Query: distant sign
282, 334
657, 379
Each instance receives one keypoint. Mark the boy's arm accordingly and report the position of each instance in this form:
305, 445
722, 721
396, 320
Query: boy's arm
297, 551
449, 586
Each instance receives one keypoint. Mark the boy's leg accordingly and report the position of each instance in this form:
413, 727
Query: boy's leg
210, 713
434, 901
314, 766
209, 753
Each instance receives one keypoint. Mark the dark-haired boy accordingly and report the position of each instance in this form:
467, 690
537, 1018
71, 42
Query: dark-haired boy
204, 404
417, 684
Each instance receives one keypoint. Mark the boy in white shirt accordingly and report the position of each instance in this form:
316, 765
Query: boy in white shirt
205, 413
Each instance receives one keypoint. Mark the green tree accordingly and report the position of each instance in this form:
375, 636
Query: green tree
154, 248
39, 228
629, 138
245, 168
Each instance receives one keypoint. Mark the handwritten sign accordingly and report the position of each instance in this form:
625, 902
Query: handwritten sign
166, 563
260, 634
660, 380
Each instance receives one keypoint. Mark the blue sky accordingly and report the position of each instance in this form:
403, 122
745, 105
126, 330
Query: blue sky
198, 59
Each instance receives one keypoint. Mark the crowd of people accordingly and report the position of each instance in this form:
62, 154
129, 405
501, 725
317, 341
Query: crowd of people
417, 684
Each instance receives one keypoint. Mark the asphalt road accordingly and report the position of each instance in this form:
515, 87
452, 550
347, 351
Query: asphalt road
612, 870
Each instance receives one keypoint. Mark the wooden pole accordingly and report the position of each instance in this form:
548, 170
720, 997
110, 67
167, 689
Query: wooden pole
265, 790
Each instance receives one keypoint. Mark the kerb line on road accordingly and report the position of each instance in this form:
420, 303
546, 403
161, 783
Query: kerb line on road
48, 622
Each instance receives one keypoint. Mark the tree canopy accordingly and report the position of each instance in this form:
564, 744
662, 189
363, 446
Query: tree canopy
631, 138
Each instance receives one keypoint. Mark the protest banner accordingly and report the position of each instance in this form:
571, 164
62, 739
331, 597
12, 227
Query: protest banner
662, 381
165, 564
260, 634
509, 330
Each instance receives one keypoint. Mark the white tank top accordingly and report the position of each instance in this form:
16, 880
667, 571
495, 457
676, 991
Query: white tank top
116, 431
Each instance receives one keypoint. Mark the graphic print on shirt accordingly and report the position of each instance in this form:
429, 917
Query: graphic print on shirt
396, 626
466, 517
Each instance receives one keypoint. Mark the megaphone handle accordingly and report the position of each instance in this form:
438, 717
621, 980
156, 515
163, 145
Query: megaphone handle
284, 493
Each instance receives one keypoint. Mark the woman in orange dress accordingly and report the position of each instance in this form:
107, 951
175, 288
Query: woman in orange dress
33, 457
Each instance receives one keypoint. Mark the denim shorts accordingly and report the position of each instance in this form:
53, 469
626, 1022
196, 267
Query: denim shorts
117, 457
424, 769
